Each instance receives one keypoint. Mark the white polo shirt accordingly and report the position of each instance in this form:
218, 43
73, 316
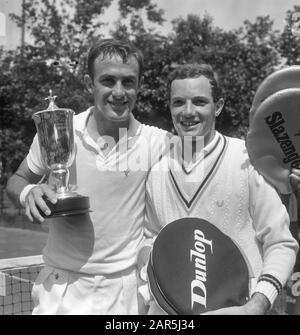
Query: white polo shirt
106, 240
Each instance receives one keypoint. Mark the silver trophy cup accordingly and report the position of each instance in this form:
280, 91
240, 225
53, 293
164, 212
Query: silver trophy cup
56, 138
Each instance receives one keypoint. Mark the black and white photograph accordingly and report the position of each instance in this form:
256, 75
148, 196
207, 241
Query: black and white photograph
149, 160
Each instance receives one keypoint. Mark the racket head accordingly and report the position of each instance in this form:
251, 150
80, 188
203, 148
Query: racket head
194, 268
288, 77
273, 139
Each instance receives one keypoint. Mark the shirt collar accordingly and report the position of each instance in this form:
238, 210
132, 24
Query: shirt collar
212, 143
203, 152
81, 121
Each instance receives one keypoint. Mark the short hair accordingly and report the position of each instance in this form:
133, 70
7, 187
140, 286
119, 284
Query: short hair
194, 71
114, 47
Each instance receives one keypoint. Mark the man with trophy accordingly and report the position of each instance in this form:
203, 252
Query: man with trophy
209, 176
94, 199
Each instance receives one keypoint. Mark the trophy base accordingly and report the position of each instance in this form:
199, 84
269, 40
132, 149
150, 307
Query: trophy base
70, 205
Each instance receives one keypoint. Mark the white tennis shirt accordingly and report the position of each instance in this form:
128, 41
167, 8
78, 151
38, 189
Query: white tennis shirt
106, 240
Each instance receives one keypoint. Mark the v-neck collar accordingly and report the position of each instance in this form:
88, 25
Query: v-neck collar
178, 174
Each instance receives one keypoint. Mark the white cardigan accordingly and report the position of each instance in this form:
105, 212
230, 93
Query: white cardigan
224, 188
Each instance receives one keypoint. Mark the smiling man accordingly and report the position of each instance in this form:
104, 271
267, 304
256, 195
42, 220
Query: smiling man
216, 182
193, 107
91, 259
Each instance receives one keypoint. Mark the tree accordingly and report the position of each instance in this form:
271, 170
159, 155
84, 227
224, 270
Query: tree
288, 42
138, 17
250, 62
242, 58
63, 31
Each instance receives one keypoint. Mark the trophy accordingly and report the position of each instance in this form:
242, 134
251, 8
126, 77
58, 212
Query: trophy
56, 138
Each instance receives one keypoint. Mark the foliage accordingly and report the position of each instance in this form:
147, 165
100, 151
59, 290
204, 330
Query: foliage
288, 44
62, 32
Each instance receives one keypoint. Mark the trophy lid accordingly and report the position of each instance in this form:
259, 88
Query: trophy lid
52, 106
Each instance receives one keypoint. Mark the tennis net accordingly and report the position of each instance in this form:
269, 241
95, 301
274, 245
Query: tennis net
17, 276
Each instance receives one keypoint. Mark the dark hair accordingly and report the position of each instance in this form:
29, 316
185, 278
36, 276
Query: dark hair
112, 47
194, 71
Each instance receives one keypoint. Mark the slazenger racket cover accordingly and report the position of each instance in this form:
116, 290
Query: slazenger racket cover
195, 268
273, 139
288, 77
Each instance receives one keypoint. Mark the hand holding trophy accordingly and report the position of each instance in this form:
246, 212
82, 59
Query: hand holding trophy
56, 138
